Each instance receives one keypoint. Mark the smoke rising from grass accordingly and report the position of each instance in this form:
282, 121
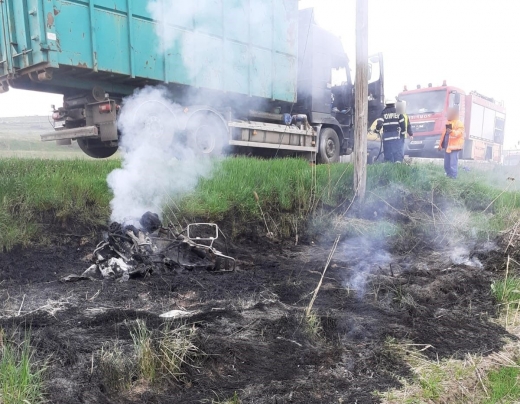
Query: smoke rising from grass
157, 164
366, 256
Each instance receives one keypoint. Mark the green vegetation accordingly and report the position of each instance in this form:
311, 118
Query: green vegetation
507, 291
161, 353
232, 400
290, 192
312, 325
295, 198
430, 383
42, 192
503, 386
475, 379
157, 356
21, 377
291, 185
235, 399
117, 368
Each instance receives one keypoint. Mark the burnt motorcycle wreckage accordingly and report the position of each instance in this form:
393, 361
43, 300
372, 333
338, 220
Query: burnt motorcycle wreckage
128, 252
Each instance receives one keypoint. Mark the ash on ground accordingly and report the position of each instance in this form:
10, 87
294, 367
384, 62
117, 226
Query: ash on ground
129, 252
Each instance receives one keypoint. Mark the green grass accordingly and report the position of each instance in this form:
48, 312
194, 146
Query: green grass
289, 185
474, 379
290, 192
21, 378
37, 192
34, 193
147, 362
312, 325
507, 291
116, 366
235, 399
162, 353
503, 386
431, 383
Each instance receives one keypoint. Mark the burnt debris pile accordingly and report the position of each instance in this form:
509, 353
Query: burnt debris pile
130, 251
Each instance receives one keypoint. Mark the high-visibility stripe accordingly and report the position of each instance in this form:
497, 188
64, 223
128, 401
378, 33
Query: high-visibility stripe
392, 138
390, 123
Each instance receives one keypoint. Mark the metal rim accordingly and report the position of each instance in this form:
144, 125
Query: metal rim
153, 127
330, 148
205, 139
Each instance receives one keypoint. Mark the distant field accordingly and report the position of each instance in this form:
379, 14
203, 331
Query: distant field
20, 137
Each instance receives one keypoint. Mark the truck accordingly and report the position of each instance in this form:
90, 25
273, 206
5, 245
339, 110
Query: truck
252, 76
484, 119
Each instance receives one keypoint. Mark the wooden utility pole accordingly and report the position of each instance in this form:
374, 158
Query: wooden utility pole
361, 92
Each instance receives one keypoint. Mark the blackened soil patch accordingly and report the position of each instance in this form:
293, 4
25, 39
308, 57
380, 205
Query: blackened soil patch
250, 323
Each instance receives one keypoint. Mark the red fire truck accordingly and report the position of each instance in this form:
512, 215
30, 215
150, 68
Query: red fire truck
483, 117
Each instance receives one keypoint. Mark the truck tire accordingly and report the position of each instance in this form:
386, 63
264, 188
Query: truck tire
96, 149
329, 147
206, 135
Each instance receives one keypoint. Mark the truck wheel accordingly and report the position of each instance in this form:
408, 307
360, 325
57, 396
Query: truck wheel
96, 149
329, 146
206, 135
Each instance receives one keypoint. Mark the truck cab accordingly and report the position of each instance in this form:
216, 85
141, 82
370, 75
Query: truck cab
427, 109
483, 118
326, 87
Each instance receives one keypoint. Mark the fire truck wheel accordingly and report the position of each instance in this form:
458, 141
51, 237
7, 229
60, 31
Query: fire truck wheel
206, 135
96, 149
329, 147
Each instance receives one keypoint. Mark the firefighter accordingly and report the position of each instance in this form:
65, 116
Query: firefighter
393, 127
408, 133
452, 141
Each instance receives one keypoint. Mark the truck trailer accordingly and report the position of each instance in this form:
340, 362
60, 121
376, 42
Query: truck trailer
253, 76
483, 117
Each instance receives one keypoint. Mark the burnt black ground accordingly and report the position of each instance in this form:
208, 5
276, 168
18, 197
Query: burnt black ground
250, 322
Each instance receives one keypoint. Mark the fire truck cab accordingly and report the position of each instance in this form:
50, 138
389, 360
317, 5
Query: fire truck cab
483, 117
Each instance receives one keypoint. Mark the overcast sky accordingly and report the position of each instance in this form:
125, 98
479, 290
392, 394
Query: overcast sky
473, 44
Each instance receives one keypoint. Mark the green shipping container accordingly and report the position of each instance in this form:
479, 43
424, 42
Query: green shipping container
247, 47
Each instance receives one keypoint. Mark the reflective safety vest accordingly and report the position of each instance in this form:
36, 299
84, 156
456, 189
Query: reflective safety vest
456, 137
392, 123
406, 123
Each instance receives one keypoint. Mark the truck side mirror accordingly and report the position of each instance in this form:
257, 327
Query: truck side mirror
456, 99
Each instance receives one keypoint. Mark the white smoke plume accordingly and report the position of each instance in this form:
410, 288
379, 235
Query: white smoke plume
202, 54
201, 62
364, 257
157, 165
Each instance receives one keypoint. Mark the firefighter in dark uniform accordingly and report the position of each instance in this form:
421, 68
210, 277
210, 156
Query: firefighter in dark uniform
394, 128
